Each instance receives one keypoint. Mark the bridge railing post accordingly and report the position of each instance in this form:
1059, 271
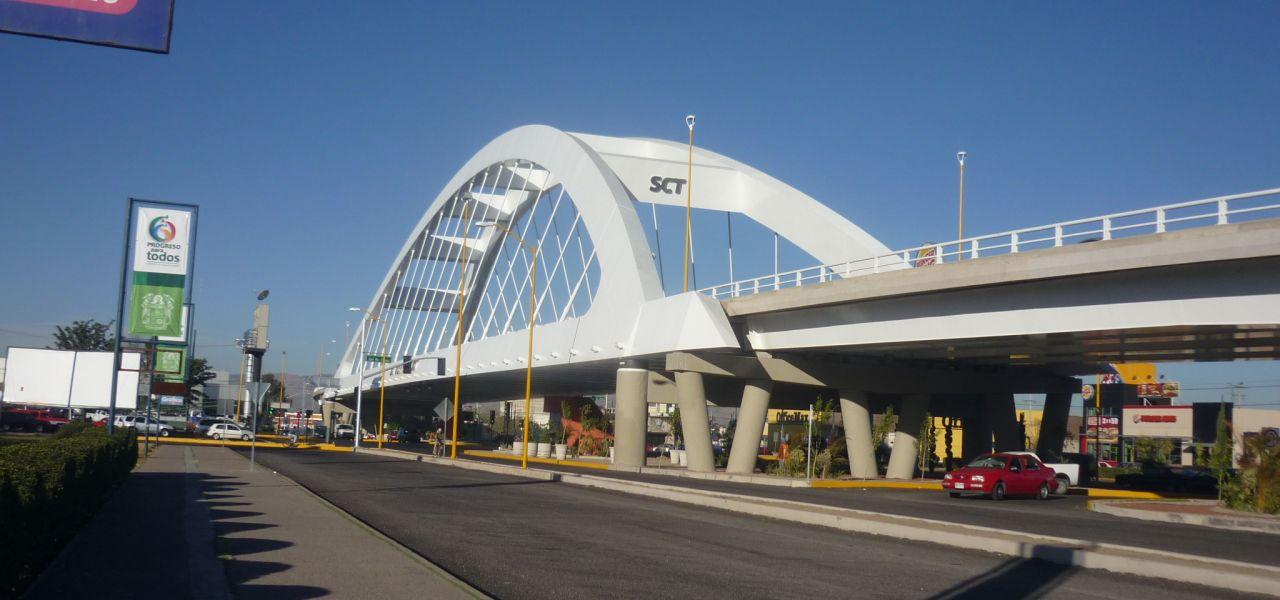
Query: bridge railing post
1222, 212
1106, 228
1057, 236
973, 248
1160, 220
1013, 243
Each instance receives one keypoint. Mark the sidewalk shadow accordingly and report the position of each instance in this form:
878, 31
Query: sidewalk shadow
1014, 578
236, 553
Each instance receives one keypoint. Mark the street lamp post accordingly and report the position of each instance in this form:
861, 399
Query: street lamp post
960, 156
463, 257
533, 319
688, 204
382, 373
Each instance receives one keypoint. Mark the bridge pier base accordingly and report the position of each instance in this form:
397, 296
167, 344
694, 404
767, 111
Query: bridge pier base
1053, 425
902, 461
631, 417
692, 398
976, 430
751, 421
1004, 420
856, 414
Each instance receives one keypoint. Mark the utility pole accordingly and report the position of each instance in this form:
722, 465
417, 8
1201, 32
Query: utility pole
688, 205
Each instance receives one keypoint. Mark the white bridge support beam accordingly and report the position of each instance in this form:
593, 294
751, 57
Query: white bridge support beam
693, 420
902, 461
855, 411
1004, 422
751, 421
1053, 424
631, 416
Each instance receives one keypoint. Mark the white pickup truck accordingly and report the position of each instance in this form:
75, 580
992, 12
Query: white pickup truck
1067, 474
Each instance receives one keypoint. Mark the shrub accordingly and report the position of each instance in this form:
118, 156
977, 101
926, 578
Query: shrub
48, 489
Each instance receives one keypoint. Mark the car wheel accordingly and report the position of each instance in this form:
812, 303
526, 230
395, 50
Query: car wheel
4, 427
997, 493
217, 436
164, 433
955, 494
1062, 483
1043, 493
245, 437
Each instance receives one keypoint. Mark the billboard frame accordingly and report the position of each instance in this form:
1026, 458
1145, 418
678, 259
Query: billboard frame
168, 37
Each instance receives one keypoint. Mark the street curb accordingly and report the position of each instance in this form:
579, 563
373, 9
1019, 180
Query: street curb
1119, 509
532, 459
1199, 570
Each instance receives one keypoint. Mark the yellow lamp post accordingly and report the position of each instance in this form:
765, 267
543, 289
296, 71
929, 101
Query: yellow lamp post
457, 365
533, 312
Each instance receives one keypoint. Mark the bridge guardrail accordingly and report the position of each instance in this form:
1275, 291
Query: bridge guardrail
1170, 217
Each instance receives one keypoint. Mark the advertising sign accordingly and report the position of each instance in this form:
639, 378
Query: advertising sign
1157, 421
161, 254
171, 363
1159, 390
1105, 429
40, 376
133, 24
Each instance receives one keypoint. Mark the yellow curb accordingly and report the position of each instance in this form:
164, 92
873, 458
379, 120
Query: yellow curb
532, 459
895, 485
261, 444
1127, 494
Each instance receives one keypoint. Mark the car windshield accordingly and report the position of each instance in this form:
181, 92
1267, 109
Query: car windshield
986, 462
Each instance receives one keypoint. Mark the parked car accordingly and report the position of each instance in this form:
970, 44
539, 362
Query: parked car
147, 425
1001, 475
344, 432
33, 419
219, 431
1167, 478
1066, 474
17, 420
96, 416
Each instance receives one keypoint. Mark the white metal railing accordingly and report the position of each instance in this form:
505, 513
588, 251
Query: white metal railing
1184, 215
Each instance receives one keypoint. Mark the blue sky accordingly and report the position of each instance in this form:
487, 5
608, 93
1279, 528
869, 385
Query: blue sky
313, 134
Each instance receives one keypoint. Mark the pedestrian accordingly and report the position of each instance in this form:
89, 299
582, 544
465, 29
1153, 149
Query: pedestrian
439, 441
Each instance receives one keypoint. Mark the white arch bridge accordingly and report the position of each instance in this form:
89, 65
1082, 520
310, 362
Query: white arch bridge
953, 329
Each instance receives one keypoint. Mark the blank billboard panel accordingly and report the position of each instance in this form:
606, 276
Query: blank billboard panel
38, 376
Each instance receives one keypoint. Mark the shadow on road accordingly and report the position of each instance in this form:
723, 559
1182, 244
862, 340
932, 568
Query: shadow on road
1014, 578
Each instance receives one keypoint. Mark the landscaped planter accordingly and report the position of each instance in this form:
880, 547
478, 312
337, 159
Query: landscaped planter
684, 458
562, 451
517, 448
544, 449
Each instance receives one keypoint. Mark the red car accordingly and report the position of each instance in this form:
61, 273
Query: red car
1000, 475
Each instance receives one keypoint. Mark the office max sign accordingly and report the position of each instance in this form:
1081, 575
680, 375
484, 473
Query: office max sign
161, 239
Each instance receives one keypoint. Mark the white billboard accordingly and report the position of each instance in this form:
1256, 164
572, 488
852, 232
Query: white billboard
1157, 421
60, 377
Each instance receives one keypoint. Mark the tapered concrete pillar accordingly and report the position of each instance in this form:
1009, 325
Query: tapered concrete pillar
693, 419
631, 416
976, 433
1003, 416
1053, 425
902, 461
751, 420
856, 414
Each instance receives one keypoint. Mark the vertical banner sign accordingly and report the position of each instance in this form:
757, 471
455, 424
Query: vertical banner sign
161, 251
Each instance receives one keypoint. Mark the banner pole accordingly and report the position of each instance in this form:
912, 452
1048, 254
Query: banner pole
124, 271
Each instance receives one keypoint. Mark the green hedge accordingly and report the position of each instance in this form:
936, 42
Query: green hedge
49, 489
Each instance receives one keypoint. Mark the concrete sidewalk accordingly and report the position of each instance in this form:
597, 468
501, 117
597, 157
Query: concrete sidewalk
1205, 513
194, 522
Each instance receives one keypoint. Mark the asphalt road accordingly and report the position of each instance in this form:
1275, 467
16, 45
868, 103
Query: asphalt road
1063, 516
516, 538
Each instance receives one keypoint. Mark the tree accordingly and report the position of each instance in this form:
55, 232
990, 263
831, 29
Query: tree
88, 335
926, 443
1223, 448
198, 374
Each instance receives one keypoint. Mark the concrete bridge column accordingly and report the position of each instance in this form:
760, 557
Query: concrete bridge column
692, 398
976, 432
1004, 422
1053, 425
751, 420
632, 415
856, 415
902, 461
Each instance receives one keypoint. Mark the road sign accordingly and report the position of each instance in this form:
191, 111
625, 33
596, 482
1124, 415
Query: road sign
377, 358
444, 410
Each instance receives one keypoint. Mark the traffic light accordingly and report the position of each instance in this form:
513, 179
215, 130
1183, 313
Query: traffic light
408, 364
308, 413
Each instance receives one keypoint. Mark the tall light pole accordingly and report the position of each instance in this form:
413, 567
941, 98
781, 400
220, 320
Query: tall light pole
533, 319
463, 256
382, 377
688, 203
960, 156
